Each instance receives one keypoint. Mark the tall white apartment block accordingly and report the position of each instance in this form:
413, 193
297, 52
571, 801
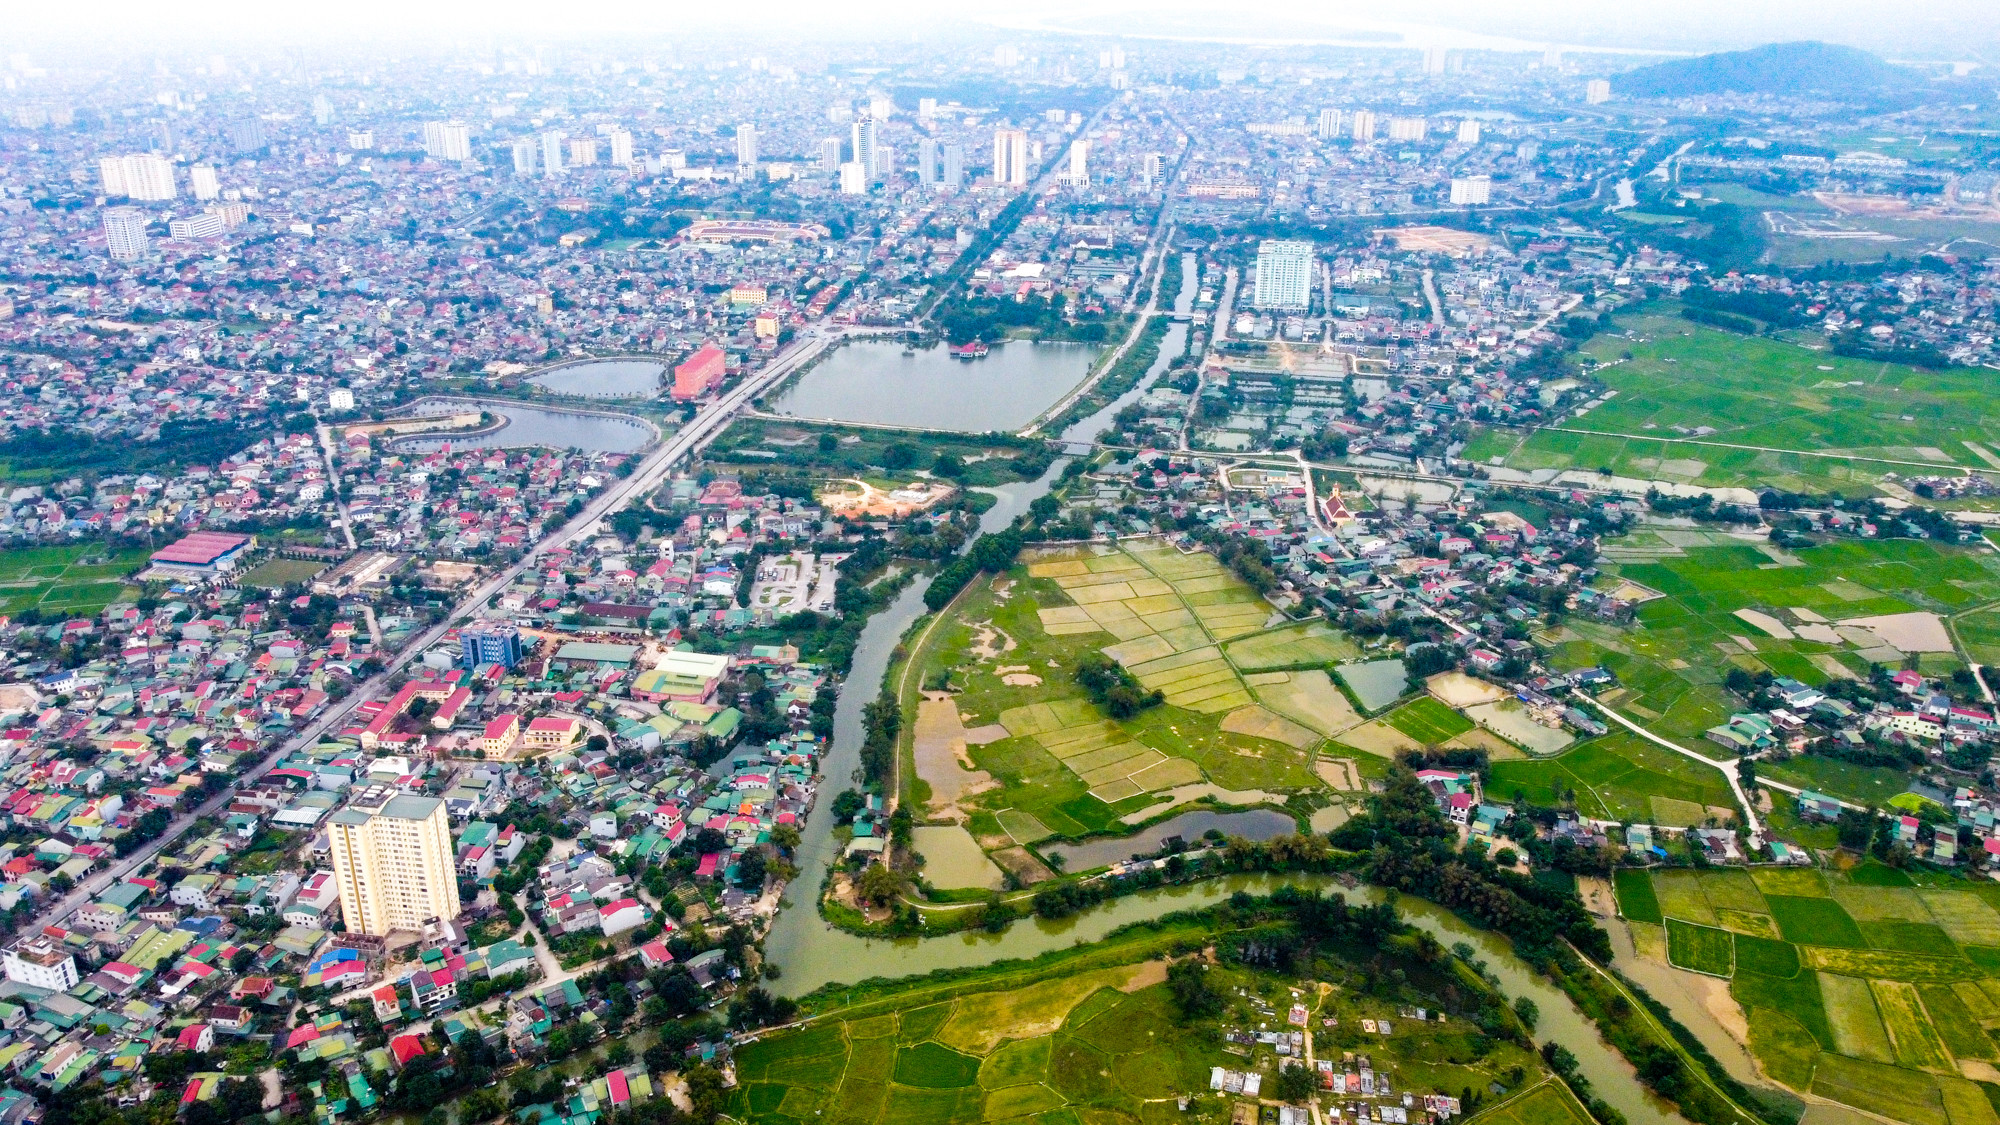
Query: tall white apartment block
829, 153
1284, 274
1434, 58
853, 178
621, 148
582, 151
524, 156
1079, 162
394, 863
1469, 190
952, 174
881, 108
1010, 157
1597, 91
861, 146
1363, 125
1329, 124
1468, 131
202, 181
746, 145
926, 107
1149, 169
125, 233
927, 161
552, 153
360, 140
448, 140
1408, 128
322, 110
140, 175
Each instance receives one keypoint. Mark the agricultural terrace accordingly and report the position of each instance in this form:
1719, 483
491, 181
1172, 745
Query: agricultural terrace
1077, 1038
68, 581
1872, 988
1812, 614
1019, 752
1747, 391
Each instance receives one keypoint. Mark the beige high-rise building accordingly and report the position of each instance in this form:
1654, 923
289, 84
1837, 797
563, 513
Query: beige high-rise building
393, 861
1010, 157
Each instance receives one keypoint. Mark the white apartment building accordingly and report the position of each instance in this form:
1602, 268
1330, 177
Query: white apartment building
203, 182
746, 145
1284, 274
552, 153
394, 863
43, 966
448, 140
1470, 190
1010, 157
621, 148
853, 178
125, 233
140, 175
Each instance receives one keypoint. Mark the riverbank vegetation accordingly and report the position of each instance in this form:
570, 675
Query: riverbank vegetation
1121, 1027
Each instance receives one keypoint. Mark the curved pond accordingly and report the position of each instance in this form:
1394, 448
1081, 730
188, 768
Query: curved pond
1252, 824
879, 381
528, 426
604, 378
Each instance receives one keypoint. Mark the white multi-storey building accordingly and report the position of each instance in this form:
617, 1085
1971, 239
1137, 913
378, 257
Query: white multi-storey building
1284, 274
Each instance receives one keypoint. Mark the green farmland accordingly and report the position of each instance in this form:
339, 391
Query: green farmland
1619, 777
1776, 399
1088, 1037
1670, 666
69, 581
1042, 760
1885, 998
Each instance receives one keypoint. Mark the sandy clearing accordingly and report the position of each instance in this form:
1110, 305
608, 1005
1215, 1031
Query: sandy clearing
1021, 679
1509, 719
1260, 723
1456, 689
1804, 614
1911, 632
1823, 634
1380, 739
940, 754
1765, 623
1340, 773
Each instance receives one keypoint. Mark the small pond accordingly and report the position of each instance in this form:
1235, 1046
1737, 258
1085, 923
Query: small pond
1376, 684
528, 426
604, 378
1253, 824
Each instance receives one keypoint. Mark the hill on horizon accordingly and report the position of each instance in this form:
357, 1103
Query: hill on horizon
1785, 69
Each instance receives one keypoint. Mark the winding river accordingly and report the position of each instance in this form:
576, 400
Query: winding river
813, 954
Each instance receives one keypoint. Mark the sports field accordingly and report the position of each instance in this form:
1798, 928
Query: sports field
1773, 399
1869, 990
1670, 666
276, 574
1101, 1044
70, 581
1055, 763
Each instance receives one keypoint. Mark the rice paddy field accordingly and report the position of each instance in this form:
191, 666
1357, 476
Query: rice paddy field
1871, 988
1671, 663
1070, 1044
1619, 777
1046, 761
67, 581
1852, 418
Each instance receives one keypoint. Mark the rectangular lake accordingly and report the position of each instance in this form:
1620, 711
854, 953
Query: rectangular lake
873, 381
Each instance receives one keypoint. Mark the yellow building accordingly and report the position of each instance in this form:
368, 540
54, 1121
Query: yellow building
393, 861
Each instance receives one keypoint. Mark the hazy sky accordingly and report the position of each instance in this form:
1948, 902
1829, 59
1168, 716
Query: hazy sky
1968, 29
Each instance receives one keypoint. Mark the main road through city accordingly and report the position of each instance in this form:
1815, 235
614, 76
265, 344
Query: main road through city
647, 475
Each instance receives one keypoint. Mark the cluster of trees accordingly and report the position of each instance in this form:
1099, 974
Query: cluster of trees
881, 719
1113, 688
992, 553
966, 319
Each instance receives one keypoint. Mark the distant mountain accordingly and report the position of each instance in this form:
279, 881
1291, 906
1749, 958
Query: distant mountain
1782, 69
